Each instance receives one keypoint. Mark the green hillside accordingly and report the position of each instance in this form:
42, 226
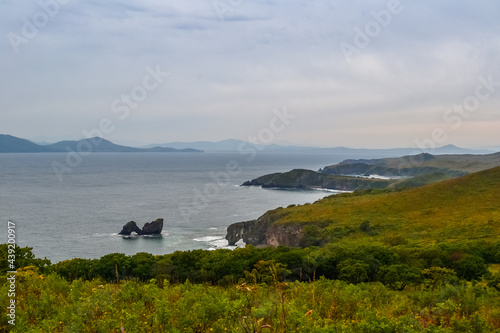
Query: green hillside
413, 165
463, 208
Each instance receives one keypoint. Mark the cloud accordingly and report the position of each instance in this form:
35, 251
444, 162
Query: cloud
230, 71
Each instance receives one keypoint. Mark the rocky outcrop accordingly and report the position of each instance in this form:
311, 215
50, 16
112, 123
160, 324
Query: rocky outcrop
129, 228
284, 234
306, 179
251, 232
151, 228
263, 232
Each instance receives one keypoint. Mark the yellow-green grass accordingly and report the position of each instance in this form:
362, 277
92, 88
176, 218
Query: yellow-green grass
464, 208
465, 163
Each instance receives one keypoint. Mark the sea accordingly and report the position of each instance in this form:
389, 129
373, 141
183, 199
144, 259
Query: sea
78, 213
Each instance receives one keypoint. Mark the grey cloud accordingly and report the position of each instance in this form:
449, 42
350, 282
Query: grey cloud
262, 54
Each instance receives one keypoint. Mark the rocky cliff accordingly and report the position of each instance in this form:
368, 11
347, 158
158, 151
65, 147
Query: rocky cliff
284, 234
263, 231
251, 232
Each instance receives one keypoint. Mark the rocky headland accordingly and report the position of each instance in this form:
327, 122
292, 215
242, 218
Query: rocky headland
392, 173
414, 177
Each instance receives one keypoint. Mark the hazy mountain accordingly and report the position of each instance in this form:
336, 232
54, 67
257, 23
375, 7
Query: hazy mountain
232, 145
494, 148
229, 145
11, 144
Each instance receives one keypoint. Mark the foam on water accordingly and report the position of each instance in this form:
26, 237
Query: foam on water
207, 238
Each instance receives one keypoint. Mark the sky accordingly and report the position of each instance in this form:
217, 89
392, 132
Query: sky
360, 74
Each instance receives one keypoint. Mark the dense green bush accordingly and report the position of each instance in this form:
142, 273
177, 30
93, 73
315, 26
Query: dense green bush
362, 288
396, 267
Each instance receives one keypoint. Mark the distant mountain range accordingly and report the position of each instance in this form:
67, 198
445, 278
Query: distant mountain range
232, 145
12, 144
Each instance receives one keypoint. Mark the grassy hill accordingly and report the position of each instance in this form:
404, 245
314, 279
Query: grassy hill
464, 208
453, 165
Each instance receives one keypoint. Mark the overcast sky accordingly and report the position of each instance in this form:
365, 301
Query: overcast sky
368, 74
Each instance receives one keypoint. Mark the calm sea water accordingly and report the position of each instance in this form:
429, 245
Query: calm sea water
198, 195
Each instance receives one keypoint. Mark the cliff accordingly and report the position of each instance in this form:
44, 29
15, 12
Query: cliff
461, 208
251, 232
263, 232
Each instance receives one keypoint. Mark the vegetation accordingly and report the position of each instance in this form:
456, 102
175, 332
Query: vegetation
415, 170
417, 260
365, 288
458, 209
304, 179
414, 165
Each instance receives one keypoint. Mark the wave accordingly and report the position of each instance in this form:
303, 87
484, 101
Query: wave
329, 190
208, 238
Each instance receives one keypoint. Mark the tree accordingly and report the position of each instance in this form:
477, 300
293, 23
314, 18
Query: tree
353, 271
439, 276
142, 265
396, 277
470, 268
24, 256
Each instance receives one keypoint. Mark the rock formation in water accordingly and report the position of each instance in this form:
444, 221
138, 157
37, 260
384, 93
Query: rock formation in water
151, 228
129, 228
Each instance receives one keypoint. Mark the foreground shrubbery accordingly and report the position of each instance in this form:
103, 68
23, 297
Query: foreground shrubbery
444, 288
395, 266
49, 303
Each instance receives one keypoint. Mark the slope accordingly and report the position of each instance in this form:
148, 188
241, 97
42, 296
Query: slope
463, 208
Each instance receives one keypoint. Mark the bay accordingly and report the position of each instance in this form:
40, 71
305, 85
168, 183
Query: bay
198, 195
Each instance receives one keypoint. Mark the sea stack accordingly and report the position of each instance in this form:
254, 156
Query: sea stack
151, 228
129, 228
